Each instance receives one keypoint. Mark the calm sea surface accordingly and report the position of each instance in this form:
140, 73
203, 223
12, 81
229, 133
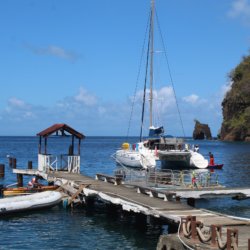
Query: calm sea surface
97, 227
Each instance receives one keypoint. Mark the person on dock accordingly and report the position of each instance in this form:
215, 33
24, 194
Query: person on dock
196, 148
211, 159
33, 183
194, 180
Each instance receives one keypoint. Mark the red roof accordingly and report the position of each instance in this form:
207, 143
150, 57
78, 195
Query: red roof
60, 127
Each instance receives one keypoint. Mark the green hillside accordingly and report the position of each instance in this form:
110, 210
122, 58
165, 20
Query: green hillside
236, 105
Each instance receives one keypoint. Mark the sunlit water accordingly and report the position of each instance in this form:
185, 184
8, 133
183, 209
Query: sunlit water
98, 227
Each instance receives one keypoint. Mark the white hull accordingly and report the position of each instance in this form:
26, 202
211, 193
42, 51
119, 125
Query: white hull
182, 159
198, 161
140, 158
29, 202
128, 158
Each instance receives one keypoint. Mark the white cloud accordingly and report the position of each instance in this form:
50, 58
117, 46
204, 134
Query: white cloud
191, 99
15, 102
18, 110
94, 115
28, 114
164, 95
164, 98
84, 97
240, 9
54, 50
225, 88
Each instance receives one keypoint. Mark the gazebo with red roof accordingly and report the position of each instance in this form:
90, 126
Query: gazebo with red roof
48, 162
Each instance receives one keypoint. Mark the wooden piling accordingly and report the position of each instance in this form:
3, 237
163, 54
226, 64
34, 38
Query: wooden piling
29, 164
191, 202
14, 163
2, 168
19, 180
10, 161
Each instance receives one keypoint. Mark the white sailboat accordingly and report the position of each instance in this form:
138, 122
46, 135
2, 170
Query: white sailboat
172, 152
140, 155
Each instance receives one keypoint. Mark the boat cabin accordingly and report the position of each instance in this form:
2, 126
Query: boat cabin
165, 143
70, 161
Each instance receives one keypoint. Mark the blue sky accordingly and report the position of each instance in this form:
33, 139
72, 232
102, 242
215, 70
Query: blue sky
77, 62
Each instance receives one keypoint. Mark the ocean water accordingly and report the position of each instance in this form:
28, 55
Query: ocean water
99, 227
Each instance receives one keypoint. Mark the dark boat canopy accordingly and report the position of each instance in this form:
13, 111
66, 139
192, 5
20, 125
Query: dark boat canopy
60, 127
156, 132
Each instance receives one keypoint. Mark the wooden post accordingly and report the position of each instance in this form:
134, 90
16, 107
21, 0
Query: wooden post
14, 163
191, 202
73, 142
40, 145
193, 228
71, 152
19, 180
29, 164
10, 161
231, 233
79, 146
213, 238
45, 145
2, 168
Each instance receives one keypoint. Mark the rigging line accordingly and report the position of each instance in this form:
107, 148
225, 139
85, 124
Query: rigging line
138, 75
145, 83
170, 75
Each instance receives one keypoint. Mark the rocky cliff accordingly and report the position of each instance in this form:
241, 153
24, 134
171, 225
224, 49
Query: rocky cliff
236, 105
201, 131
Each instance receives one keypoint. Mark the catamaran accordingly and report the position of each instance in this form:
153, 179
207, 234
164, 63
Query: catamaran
172, 152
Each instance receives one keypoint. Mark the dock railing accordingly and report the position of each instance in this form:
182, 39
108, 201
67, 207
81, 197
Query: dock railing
168, 177
130, 175
182, 178
69, 163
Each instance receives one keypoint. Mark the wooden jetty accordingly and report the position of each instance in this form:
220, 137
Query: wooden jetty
198, 228
161, 204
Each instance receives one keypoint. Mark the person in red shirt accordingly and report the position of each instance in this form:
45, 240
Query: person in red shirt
211, 159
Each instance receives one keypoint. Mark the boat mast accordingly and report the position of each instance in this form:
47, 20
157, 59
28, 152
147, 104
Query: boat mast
151, 61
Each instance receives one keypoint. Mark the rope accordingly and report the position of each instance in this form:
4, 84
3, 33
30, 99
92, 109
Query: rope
170, 75
203, 238
186, 227
137, 79
233, 242
178, 234
220, 243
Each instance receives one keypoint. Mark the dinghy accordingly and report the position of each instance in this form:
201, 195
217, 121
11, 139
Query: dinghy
215, 166
35, 201
26, 190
